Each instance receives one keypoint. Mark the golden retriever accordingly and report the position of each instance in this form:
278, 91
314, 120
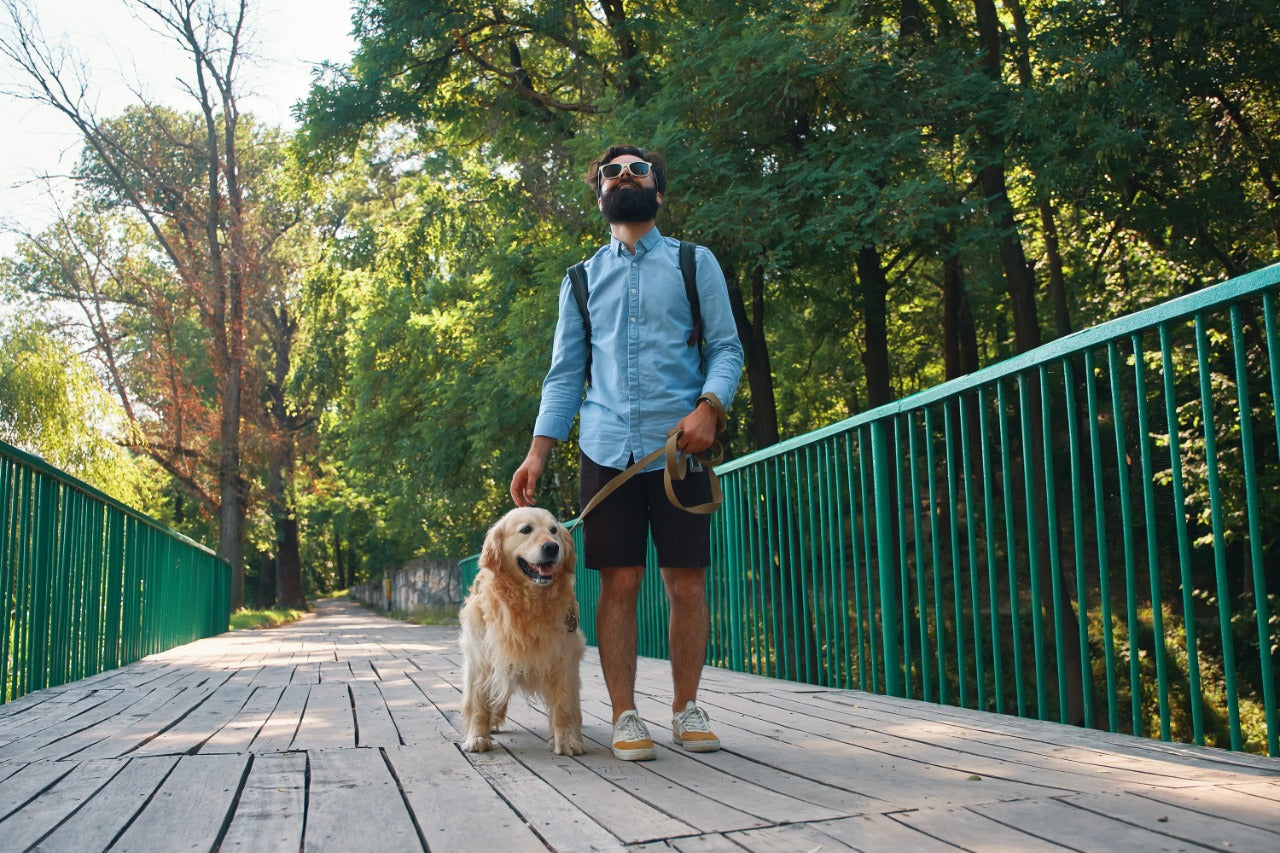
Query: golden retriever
520, 630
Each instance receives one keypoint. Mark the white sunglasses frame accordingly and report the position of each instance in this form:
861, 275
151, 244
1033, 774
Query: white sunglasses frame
625, 167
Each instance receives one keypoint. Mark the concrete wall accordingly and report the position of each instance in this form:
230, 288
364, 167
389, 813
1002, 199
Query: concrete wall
415, 585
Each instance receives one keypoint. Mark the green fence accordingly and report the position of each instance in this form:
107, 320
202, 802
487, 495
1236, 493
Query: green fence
88, 584
1085, 533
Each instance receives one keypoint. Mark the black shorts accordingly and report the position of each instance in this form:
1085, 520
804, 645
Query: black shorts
615, 533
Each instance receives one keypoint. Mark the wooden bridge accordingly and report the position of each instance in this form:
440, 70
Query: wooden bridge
340, 733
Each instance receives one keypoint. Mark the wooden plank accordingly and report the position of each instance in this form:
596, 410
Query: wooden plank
416, 717
190, 807
327, 722
199, 725
1267, 790
558, 820
29, 824
144, 728
95, 824
239, 732
54, 709
960, 747
278, 731
446, 793
271, 809
634, 804
1042, 743
374, 726
335, 670
900, 783
704, 793
20, 787
305, 673
972, 831
354, 803
84, 717
1216, 832
1055, 820
1223, 802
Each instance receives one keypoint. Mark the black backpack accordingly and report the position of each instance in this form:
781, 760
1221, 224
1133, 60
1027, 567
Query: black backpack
688, 269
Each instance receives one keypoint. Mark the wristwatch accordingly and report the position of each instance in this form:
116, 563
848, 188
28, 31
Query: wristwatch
722, 419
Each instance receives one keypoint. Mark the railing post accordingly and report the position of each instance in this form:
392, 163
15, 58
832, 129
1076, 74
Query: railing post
884, 558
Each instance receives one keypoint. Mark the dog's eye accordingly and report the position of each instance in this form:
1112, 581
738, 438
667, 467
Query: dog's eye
526, 529
554, 531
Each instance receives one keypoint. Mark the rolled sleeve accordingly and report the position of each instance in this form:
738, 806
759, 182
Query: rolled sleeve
722, 349
562, 387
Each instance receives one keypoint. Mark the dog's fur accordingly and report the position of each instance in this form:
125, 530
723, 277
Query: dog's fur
520, 630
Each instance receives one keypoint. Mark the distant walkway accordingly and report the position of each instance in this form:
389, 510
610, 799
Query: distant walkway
340, 733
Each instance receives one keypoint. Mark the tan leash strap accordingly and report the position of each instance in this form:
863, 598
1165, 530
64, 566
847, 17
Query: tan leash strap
676, 468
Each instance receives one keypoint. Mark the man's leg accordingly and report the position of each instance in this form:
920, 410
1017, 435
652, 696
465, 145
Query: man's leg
616, 634
690, 625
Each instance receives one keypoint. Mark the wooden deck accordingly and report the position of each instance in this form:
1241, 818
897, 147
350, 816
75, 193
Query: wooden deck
340, 733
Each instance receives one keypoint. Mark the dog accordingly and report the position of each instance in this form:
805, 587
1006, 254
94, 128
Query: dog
520, 631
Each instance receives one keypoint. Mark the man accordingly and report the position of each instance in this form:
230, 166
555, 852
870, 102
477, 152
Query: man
644, 379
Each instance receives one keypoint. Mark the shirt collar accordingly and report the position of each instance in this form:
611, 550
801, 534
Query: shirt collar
644, 244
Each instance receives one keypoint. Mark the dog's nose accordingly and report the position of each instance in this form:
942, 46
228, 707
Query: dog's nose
550, 551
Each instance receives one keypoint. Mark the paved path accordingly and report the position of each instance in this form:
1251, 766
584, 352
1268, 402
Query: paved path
340, 733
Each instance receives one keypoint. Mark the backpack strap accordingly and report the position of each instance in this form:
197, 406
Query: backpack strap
578, 280
689, 269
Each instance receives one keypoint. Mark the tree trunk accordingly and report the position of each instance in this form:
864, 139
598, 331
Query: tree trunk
764, 406
959, 334
991, 175
875, 315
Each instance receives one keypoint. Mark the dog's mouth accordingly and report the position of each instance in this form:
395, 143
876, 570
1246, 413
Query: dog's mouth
539, 573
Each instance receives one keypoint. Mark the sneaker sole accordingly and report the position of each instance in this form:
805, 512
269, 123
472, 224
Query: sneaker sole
699, 745
642, 754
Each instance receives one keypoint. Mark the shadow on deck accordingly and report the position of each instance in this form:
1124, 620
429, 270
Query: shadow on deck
340, 733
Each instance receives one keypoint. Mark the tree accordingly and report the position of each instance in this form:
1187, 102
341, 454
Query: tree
52, 405
183, 177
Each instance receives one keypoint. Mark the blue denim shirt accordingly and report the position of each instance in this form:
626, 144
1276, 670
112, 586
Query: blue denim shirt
644, 375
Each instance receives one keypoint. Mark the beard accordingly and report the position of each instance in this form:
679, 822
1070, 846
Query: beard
630, 204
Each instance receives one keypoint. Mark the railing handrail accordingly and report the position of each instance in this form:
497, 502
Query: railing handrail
1182, 307
79, 485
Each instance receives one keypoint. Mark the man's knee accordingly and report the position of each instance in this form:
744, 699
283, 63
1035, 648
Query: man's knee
621, 582
685, 587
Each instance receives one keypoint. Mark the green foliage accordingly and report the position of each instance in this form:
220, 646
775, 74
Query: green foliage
52, 405
245, 619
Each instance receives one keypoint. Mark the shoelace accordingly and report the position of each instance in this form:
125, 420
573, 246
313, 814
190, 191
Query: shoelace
694, 720
629, 728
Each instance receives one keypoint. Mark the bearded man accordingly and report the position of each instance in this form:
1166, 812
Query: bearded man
647, 374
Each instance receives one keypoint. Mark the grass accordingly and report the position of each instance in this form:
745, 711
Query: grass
418, 616
427, 616
245, 619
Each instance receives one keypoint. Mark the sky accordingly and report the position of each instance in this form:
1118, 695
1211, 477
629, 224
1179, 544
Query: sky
288, 39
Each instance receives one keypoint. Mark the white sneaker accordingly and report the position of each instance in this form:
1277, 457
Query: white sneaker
631, 741
691, 729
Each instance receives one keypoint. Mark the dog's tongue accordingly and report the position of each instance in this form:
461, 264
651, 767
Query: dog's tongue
544, 569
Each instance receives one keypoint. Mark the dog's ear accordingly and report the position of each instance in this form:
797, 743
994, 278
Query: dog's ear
491, 551
568, 554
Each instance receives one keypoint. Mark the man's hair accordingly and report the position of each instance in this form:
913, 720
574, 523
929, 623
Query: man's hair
592, 176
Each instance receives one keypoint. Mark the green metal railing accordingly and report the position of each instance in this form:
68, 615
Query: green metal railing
1085, 533
88, 584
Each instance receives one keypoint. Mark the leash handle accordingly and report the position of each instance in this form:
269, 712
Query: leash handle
676, 468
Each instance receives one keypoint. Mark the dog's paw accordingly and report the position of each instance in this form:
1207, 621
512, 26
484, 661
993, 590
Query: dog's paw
477, 744
568, 745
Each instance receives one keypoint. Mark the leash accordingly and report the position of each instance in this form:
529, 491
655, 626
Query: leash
677, 464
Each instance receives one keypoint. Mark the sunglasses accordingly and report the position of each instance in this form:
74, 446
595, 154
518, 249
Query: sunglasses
610, 171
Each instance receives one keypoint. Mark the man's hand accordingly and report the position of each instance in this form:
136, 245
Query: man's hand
699, 428
524, 482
